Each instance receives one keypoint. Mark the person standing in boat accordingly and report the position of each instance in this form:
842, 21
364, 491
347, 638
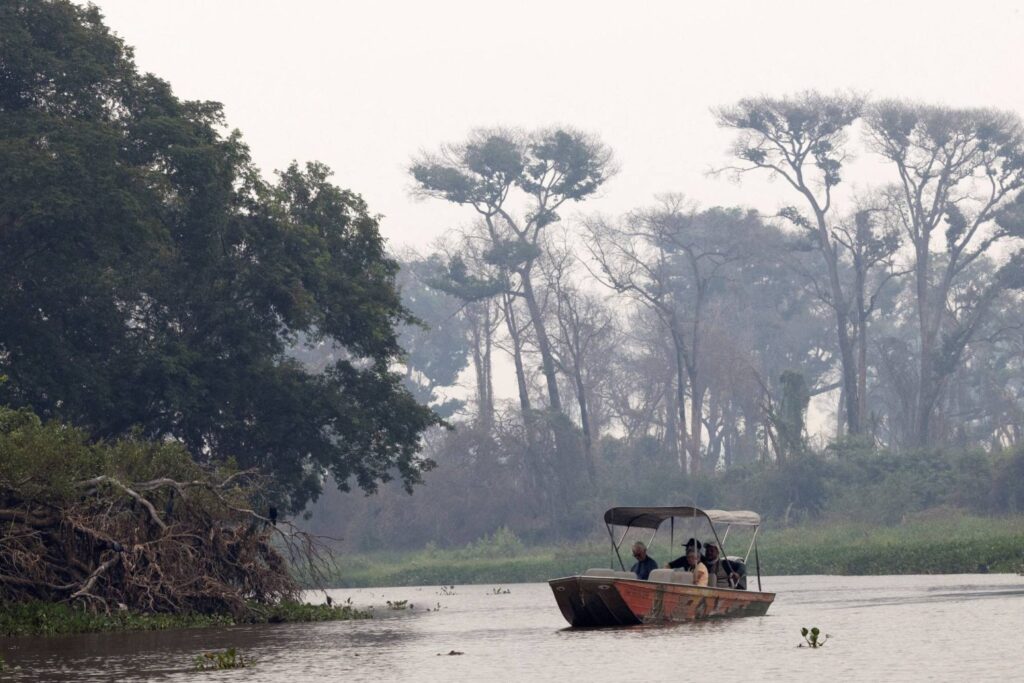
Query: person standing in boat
644, 563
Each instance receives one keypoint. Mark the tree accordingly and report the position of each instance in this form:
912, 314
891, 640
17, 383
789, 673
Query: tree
150, 279
959, 178
871, 252
801, 140
438, 347
548, 168
584, 336
673, 259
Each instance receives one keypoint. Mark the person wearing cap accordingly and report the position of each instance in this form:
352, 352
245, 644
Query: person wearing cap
721, 569
683, 562
644, 563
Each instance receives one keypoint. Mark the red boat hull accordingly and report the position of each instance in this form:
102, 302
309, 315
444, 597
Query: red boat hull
588, 601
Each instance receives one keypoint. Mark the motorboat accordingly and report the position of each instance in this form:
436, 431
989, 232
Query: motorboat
617, 597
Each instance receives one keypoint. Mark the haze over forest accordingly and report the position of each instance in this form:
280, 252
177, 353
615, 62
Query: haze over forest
727, 255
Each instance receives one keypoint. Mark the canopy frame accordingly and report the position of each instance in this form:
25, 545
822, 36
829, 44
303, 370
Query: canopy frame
653, 517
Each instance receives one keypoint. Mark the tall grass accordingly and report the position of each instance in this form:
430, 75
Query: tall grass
936, 544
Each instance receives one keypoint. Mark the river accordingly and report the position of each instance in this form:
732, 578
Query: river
964, 626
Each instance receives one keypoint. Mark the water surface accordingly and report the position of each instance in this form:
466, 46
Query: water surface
883, 628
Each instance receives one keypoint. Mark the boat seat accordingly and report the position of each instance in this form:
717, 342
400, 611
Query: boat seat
610, 573
682, 577
671, 576
599, 571
662, 575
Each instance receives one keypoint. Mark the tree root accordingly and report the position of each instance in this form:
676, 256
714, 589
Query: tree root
160, 545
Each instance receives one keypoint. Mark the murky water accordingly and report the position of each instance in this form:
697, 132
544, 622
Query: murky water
883, 628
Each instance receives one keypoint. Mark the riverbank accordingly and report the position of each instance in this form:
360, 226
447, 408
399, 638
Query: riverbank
942, 543
48, 619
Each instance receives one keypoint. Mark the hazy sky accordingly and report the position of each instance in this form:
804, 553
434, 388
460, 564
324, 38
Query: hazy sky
363, 85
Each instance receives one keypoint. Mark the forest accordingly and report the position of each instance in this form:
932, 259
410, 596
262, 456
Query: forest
853, 355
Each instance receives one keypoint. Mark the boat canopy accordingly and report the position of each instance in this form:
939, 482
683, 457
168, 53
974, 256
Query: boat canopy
651, 518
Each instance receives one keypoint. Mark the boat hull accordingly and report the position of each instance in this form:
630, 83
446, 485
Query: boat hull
590, 601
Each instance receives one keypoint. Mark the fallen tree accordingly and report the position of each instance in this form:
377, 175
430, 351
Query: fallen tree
136, 525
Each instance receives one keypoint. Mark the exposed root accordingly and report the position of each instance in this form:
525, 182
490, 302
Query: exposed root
157, 545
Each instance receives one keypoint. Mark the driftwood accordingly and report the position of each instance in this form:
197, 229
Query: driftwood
159, 545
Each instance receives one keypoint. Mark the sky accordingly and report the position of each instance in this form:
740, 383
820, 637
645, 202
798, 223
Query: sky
364, 86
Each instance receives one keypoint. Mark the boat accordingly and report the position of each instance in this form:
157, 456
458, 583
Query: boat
609, 597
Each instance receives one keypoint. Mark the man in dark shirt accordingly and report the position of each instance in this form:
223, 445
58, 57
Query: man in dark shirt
644, 564
681, 562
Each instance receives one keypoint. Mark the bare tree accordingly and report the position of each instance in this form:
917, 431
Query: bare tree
584, 328
670, 258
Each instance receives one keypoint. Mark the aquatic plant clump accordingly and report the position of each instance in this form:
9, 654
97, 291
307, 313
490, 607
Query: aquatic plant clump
134, 526
813, 637
225, 659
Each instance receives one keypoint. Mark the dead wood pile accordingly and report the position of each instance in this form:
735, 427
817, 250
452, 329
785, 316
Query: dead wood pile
134, 525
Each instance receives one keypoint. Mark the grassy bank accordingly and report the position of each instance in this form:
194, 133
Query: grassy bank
41, 618
939, 544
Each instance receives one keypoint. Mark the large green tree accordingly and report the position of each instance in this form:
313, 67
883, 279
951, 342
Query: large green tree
151, 280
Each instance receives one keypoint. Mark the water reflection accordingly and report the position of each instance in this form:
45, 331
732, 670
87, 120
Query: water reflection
892, 628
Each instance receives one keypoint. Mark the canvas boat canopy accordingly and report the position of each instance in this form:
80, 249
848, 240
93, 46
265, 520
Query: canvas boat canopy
652, 517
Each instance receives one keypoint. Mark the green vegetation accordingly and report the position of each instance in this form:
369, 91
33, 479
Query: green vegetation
813, 637
151, 280
225, 659
47, 619
945, 542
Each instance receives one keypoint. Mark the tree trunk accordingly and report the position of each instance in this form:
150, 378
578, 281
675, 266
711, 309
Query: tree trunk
543, 344
846, 351
481, 331
517, 357
581, 397
696, 424
924, 399
680, 392
862, 345
671, 436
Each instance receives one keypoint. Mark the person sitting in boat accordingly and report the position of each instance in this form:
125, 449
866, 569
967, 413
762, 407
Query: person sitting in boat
644, 563
683, 562
700, 572
723, 573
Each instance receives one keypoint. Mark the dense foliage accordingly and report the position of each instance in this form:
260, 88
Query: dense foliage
150, 279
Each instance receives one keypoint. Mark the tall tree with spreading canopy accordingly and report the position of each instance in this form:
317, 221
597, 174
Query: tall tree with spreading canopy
151, 280
959, 173
517, 183
547, 168
801, 139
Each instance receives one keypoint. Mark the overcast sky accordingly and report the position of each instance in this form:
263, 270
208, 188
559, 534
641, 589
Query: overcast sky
362, 86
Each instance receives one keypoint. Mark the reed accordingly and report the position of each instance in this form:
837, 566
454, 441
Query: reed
940, 542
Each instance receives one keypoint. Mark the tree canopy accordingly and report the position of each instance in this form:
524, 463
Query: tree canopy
151, 280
